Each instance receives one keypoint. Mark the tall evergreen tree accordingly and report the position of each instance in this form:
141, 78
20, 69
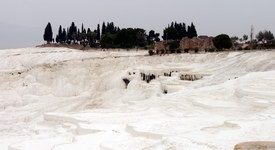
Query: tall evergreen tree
72, 33
48, 34
103, 29
176, 31
82, 28
59, 38
193, 30
98, 32
64, 35
189, 32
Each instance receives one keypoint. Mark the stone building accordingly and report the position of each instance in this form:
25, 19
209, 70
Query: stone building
161, 46
200, 43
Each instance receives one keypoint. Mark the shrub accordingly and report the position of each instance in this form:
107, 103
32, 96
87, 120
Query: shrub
211, 50
157, 52
173, 51
254, 46
196, 50
247, 48
178, 51
174, 45
186, 50
240, 48
222, 41
151, 52
149, 46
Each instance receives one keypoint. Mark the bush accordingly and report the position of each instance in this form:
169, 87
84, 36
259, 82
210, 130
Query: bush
211, 50
254, 46
247, 48
174, 45
157, 52
173, 51
240, 48
186, 50
149, 46
151, 52
196, 50
222, 41
178, 51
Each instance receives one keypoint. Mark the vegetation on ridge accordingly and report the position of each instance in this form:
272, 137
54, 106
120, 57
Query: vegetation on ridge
110, 36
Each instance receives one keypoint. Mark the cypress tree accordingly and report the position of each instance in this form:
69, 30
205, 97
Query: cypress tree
108, 27
176, 31
79, 35
82, 28
189, 32
59, 38
193, 31
184, 32
64, 35
103, 29
98, 32
72, 33
48, 34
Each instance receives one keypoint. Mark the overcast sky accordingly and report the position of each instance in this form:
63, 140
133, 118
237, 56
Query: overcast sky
23, 22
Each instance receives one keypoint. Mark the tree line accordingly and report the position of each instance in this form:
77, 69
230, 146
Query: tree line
264, 39
177, 31
110, 36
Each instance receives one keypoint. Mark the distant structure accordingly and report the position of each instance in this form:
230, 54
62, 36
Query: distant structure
200, 43
162, 45
251, 35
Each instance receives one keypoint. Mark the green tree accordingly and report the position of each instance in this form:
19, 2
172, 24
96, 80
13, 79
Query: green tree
152, 37
59, 37
173, 46
234, 40
48, 34
72, 33
107, 40
103, 29
265, 36
170, 33
245, 37
64, 35
98, 33
176, 31
140, 37
222, 41
192, 32
91, 36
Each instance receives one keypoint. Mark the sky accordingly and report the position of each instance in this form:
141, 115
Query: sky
22, 22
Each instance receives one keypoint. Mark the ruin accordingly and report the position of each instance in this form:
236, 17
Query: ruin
148, 78
200, 43
197, 43
190, 77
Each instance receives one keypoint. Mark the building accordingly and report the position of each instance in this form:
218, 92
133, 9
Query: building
199, 43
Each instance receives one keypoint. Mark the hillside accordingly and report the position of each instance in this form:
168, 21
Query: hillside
64, 99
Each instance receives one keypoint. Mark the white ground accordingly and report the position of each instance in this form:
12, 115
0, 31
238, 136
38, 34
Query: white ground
62, 99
